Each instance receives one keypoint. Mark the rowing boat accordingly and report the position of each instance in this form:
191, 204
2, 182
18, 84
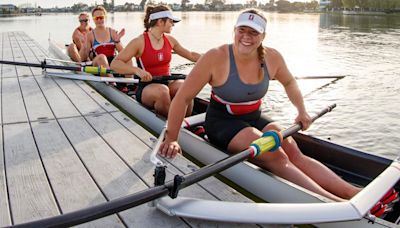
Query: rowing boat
355, 166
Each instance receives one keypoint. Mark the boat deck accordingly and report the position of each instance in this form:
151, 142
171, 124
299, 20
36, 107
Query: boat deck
65, 147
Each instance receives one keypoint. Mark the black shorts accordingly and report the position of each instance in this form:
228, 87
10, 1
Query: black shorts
141, 86
221, 126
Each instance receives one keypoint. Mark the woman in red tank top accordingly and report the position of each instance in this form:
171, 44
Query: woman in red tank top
153, 51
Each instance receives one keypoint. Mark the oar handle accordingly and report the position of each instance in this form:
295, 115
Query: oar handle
168, 78
297, 127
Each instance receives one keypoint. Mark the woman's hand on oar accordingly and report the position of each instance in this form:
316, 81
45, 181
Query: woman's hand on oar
143, 75
169, 149
304, 119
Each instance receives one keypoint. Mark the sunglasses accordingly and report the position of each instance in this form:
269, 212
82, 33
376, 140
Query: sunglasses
98, 17
84, 20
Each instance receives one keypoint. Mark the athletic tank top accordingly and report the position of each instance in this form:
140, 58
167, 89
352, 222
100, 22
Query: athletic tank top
156, 62
236, 91
106, 48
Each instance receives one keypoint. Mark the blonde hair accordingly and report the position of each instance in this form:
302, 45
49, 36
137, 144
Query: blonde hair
153, 9
99, 8
83, 14
260, 49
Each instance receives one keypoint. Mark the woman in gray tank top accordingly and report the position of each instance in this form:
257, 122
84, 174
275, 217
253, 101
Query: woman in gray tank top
239, 75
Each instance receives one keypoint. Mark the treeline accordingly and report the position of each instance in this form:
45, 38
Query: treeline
372, 5
286, 6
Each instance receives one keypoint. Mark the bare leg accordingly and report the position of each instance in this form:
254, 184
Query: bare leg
157, 96
101, 60
277, 162
314, 169
173, 88
74, 53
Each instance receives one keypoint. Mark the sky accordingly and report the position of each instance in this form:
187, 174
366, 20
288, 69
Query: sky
63, 3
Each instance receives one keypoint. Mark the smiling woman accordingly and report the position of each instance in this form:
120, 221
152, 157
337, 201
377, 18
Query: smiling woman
239, 75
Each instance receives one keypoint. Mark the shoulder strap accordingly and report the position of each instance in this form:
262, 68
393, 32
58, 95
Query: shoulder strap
111, 39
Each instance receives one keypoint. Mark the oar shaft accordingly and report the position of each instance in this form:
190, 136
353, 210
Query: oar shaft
297, 127
41, 65
100, 210
87, 69
321, 77
217, 167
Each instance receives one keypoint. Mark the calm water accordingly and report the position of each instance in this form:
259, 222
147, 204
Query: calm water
364, 48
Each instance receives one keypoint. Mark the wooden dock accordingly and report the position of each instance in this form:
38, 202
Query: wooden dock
65, 148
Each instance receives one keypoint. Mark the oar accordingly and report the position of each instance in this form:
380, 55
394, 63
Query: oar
182, 66
266, 143
86, 69
44, 65
321, 77
87, 63
86, 77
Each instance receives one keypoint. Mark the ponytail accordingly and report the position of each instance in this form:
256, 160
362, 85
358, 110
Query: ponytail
261, 53
147, 17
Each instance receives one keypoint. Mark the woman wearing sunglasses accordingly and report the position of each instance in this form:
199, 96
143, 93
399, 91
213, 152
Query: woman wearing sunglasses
153, 51
103, 41
79, 38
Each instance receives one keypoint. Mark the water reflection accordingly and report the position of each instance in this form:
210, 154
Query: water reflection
360, 23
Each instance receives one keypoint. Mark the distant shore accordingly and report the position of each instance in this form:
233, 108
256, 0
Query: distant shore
344, 12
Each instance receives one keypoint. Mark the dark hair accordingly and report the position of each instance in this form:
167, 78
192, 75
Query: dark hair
99, 8
153, 9
260, 49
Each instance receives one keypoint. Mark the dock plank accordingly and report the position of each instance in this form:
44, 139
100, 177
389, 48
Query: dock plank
5, 219
103, 102
29, 191
59, 102
36, 104
13, 104
85, 104
72, 184
8, 71
19, 57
